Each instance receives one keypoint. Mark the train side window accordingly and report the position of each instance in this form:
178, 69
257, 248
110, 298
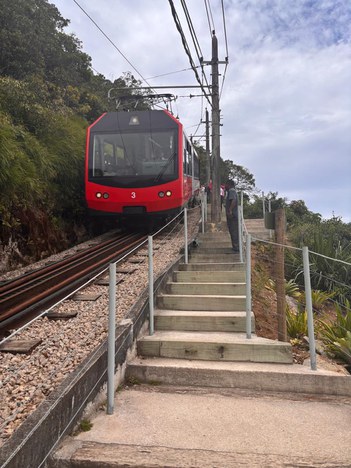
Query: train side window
184, 162
196, 166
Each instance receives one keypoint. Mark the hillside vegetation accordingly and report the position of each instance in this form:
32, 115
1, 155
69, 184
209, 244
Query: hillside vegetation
48, 96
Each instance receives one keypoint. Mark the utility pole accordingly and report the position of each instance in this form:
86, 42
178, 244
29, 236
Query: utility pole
215, 193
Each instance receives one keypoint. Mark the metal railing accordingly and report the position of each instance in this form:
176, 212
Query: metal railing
305, 285
183, 215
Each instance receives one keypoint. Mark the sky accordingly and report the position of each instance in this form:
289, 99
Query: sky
286, 97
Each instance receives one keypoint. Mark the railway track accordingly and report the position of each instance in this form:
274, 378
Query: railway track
23, 298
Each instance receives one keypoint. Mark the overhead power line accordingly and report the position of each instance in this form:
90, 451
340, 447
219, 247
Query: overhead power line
171, 73
226, 47
111, 42
195, 39
225, 31
209, 17
186, 48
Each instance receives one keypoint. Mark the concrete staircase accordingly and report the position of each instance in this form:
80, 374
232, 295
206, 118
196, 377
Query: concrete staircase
201, 314
257, 229
200, 341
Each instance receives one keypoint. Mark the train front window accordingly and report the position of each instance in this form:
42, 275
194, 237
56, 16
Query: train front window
148, 157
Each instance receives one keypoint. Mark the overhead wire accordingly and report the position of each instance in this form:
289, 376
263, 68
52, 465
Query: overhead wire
186, 48
195, 40
112, 43
209, 16
172, 73
226, 47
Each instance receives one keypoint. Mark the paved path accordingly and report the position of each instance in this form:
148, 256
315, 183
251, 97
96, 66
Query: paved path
187, 427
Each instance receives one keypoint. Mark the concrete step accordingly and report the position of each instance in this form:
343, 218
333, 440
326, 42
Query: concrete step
201, 302
213, 244
214, 347
214, 250
214, 237
270, 377
211, 289
214, 257
224, 266
210, 276
254, 222
193, 320
264, 235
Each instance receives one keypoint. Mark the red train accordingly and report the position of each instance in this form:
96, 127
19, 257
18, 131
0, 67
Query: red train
139, 165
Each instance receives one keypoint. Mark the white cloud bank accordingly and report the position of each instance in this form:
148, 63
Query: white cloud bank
286, 104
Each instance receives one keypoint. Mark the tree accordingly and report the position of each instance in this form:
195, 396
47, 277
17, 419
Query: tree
244, 180
33, 43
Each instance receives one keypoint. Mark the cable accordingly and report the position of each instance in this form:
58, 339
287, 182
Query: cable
186, 48
225, 31
208, 18
172, 73
209, 15
192, 31
113, 44
195, 40
226, 47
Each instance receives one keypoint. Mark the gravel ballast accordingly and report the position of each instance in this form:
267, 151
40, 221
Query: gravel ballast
27, 380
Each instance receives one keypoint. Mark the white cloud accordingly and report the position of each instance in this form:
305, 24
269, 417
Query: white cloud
286, 105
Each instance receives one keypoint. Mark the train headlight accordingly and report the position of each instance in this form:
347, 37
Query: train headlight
161, 194
106, 195
168, 193
98, 194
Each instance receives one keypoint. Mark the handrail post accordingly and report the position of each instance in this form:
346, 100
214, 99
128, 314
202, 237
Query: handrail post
202, 215
205, 198
309, 309
248, 286
151, 287
186, 235
264, 205
240, 230
111, 339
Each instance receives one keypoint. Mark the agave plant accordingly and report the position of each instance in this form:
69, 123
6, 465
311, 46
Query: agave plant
296, 323
343, 348
337, 336
291, 288
319, 298
330, 269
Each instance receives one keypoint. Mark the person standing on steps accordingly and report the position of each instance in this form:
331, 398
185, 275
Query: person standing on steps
231, 209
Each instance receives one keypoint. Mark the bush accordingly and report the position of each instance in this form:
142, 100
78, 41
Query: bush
337, 336
296, 323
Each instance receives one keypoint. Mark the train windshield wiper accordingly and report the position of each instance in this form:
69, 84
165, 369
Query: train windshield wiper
164, 168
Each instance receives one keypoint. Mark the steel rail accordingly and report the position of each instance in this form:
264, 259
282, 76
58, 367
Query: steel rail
58, 279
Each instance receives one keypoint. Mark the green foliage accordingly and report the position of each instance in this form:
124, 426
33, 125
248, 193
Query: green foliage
48, 95
33, 43
337, 336
297, 213
244, 180
253, 205
319, 299
328, 275
291, 288
296, 323
85, 425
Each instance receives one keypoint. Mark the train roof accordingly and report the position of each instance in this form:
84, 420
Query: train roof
124, 121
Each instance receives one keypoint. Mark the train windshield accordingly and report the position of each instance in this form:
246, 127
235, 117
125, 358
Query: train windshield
133, 159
